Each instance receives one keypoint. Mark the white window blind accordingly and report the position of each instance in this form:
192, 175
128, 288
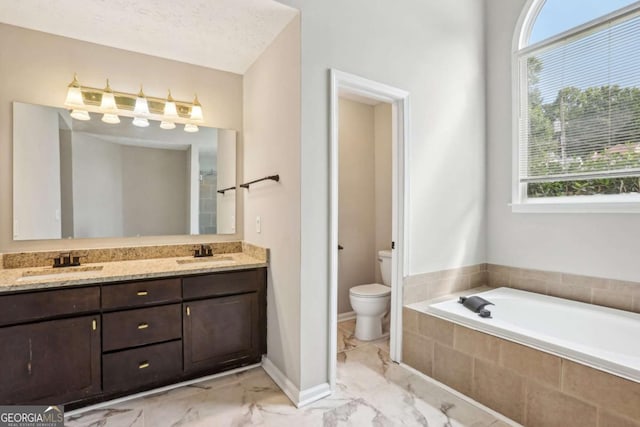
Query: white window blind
581, 115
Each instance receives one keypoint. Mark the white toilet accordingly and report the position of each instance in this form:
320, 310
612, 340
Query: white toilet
371, 302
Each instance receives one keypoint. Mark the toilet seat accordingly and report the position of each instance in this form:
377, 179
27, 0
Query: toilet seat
373, 290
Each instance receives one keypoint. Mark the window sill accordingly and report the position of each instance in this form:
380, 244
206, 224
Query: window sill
580, 204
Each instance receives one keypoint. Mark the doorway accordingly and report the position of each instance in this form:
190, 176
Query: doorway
359, 88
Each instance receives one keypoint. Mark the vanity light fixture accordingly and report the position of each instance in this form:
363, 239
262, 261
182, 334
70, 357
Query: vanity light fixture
74, 100
112, 104
141, 110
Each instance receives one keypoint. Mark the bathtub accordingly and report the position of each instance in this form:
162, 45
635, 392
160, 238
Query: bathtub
603, 338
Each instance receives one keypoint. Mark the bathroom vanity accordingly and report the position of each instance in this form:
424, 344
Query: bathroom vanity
78, 344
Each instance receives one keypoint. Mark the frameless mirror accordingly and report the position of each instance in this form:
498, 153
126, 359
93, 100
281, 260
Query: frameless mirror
80, 179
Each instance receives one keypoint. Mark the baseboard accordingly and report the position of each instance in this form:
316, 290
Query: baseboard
296, 396
346, 316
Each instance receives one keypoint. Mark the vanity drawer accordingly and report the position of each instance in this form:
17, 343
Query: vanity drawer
126, 370
142, 326
20, 308
136, 294
221, 284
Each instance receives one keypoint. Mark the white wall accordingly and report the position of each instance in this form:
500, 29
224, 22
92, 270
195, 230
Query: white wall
356, 211
602, 245
97, 187
36, 165
434, 50
48, 62
272, 146
226, 203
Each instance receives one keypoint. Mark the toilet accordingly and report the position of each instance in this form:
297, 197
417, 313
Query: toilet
371, 301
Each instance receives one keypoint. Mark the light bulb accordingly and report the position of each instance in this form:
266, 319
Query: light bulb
111, 118
191, 128
141, 122
108, 103
80, 115
74, 94
167, 125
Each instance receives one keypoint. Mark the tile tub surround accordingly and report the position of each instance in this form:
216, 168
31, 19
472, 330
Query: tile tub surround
370, 390
43, 258
595, 290
114, 271
529, 386
435, 284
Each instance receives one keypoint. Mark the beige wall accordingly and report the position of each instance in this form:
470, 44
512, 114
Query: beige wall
36, 68
382, 140
356, 205
272, 146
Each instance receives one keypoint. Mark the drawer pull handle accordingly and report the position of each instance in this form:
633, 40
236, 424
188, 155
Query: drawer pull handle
94, 324
143, 326
143, 365
143, 293
188, 311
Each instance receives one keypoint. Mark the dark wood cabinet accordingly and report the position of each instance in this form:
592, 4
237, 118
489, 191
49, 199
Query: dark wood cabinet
221, 331
78, 346
52, 362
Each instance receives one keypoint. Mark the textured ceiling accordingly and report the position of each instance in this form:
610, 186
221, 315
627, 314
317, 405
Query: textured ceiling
222, 34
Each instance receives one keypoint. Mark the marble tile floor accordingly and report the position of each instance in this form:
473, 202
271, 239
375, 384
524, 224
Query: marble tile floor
371, 390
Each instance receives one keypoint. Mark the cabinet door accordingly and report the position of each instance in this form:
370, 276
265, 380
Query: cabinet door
53, 362
221, 332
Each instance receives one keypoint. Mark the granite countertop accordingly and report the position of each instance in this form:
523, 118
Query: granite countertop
28, 278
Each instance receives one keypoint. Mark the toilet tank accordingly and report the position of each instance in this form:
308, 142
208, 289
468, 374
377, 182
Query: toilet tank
384, 258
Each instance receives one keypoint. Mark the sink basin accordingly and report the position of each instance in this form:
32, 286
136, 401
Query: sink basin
209, 261
60, 273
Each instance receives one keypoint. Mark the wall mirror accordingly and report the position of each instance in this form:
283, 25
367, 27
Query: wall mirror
83, 179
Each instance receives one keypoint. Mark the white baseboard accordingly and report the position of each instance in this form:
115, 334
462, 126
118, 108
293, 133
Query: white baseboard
296, 396
346, 316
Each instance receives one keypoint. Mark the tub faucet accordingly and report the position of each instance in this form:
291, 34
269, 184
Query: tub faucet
477, 305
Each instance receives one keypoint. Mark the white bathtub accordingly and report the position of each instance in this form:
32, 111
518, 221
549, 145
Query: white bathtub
603, 338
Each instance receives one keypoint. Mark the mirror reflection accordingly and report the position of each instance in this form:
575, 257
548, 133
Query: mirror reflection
80, 179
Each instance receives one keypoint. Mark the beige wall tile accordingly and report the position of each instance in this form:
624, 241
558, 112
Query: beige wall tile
499, 388
607, 419
434, 328
636, 303
417, 352
409, 320
453, 368
614, 393
575, 293
414, 293
476, 344
480, 278
586, 281
612, 298
545, 276
531, 363
550, 408
528, 284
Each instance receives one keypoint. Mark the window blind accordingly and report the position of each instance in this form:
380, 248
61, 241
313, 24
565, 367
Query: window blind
580, 111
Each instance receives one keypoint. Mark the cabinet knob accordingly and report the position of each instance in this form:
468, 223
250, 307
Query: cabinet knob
143, 326
143, 293
143, 365
188, 311
94, 324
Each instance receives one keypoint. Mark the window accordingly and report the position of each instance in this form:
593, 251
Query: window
578, 104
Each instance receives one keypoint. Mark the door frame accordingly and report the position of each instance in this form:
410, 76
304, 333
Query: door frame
345, 83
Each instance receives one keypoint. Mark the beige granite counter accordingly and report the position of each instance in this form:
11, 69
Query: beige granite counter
37, 277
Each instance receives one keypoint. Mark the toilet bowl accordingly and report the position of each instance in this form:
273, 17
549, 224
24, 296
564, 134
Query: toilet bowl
370, 302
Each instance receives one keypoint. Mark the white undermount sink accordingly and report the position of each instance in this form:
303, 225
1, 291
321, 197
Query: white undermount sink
60, 273
207, 261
